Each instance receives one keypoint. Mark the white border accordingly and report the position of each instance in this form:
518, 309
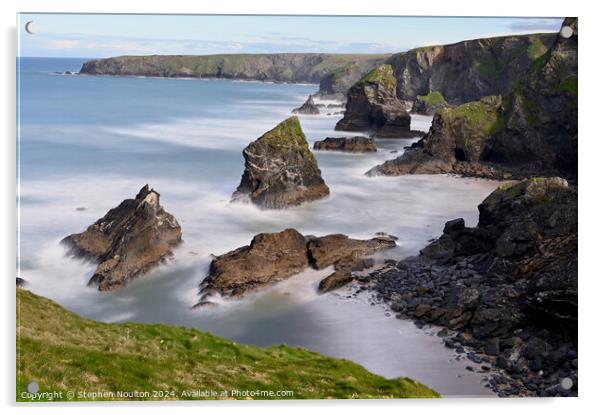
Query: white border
590, 202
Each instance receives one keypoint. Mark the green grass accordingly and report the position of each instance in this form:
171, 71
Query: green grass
383, 75
64, 352
433, 98
488, 68
477, 116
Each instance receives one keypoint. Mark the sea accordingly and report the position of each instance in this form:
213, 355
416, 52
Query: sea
85, 143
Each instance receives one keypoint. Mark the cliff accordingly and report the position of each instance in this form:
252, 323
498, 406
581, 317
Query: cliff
532, 130
468, 70
279, 67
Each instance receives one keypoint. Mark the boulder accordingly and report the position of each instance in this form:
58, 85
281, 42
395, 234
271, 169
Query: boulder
128, 241
358, 144
280, 169
372, 106
308, 107
334, 281
271, 257
338, 248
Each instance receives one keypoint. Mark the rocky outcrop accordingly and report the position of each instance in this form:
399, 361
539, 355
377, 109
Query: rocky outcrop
128, 241
531, 131
280, 169
429, 104
273, 257
469, 70
277, 67
508, 286
372, 106
20, 282
358, 144
308, 107
457, 136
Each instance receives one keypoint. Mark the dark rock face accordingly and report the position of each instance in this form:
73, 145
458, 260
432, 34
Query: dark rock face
280, 169
509, 285
308, 107
20, 282
531, 131
273, 257
128, 241
373, 106
457, 136
358, 144
429, 104
468, 70
540, 115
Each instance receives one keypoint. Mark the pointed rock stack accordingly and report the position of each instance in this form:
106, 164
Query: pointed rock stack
280, 169
128, 241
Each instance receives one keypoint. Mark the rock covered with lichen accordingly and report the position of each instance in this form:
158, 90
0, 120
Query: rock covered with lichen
429, 104
372, 106
280, 169
457, 135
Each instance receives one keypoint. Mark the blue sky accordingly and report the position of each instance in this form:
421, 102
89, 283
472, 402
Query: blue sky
88, 35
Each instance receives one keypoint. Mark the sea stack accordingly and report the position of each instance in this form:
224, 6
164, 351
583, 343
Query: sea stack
128, 241
372, 106
280, 169
309, 107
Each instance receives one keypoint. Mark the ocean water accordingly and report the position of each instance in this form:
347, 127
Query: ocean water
86, 143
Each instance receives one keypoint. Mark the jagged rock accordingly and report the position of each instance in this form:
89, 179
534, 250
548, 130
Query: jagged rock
372, 105
273, 257
358, 144
20, 282
429, 104
515, 274
308, 107
531, 131
128, 241
280, 169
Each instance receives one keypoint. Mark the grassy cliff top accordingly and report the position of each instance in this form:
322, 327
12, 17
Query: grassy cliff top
433, 98
64, 352
382, 75
285, 135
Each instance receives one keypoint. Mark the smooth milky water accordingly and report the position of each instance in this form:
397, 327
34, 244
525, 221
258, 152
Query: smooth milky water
90, 142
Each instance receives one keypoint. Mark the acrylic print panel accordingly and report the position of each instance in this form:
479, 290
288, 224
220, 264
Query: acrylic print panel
376, 207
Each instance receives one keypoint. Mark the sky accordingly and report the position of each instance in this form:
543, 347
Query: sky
98, 35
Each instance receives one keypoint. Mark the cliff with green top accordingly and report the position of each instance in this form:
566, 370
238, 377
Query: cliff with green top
469, 70
63, 352
532, 130
277, 67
